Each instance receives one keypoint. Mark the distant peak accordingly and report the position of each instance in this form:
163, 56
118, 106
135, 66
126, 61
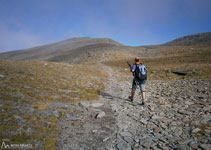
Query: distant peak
194, 39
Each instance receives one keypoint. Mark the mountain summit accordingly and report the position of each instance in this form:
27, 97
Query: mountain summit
67, 47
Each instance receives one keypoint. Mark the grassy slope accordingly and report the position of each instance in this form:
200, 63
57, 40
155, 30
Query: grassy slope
162, 61
32, 85
44, 80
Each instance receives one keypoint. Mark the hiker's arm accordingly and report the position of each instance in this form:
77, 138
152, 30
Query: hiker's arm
133, 69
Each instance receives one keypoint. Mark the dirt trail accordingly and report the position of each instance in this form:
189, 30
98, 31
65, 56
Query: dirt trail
82, 129
172, 118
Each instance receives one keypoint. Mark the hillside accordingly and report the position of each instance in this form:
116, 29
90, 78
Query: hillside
195, 39
77, 49
77, 97
51, 105
50, 51
29, 92
161, 59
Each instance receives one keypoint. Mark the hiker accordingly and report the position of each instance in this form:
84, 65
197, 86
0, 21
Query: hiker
140, 77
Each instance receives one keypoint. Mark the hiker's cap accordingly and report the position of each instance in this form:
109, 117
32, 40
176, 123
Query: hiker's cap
137, 58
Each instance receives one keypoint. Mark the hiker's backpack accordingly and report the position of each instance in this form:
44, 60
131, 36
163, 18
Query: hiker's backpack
141, 72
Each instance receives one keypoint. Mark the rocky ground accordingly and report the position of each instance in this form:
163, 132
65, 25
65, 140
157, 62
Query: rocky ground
176, 116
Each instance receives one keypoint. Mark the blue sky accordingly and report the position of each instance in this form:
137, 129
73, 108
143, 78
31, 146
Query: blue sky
29, 23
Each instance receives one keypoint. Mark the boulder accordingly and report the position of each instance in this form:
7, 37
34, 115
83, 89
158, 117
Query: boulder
84, 103
100, 115
205, 146
123, 146
97, 104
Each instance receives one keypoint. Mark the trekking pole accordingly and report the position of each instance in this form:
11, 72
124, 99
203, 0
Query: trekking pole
130, 67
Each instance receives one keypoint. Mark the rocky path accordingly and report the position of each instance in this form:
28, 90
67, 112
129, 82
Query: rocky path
176, 116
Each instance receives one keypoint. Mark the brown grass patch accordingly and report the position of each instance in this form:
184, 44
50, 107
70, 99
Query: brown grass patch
28, 80
195, 59
35, 84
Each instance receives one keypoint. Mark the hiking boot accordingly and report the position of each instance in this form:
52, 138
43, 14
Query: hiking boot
142, 103
130, 98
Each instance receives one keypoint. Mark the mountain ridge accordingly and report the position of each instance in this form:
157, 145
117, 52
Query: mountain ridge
71, 49
45, 52
193, 39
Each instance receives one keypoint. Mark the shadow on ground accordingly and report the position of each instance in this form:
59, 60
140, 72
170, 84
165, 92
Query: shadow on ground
109, 96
